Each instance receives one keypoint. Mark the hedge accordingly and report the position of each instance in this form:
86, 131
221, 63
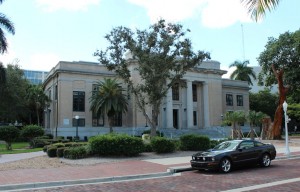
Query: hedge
192, 142
116, 144
162, 145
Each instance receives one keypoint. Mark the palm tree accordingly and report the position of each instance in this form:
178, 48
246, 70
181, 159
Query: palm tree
37, 99
2, 74
9, 26
108, 99
257, 8
235, 118
255, 119
242, 72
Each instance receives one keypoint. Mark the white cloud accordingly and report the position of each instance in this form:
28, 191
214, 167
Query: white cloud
220, 13
41, 62
70, 5
213, 13
171, 10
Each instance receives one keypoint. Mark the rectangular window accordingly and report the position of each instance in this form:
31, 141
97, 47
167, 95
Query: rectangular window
117, 120
195, 117
229, 100
56, 92
175, 92
97, 120
78, 100
194, 87
81, 122
239, 100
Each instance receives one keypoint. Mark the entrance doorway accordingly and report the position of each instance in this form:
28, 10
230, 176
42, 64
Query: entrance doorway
175, 118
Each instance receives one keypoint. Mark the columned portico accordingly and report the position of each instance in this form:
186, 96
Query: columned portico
206, 105
189, 104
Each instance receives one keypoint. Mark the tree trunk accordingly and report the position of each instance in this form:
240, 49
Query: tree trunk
277, 125
251, 132
110, 122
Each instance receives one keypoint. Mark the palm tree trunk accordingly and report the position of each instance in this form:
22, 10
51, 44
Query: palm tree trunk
37, 115
110, 122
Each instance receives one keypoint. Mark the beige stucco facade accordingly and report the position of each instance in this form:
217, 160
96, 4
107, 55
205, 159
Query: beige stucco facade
199, 104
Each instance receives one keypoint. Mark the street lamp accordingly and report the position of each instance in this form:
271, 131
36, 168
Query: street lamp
287, 150
77, 118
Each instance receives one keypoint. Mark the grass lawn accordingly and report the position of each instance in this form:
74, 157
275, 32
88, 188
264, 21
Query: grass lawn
18, 147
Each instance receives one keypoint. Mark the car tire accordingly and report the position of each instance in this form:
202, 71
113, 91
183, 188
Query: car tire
265, 160
225, 165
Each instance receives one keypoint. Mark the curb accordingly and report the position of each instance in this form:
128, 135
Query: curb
27, 186
189, 168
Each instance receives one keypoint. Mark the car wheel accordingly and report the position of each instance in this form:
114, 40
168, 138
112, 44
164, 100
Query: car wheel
265, 160
225, 165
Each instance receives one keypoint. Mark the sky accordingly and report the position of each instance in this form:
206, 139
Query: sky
49, 31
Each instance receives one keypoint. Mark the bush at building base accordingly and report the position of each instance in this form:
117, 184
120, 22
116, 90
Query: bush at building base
116, 145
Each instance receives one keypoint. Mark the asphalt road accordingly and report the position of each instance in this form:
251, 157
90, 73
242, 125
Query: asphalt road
283, 175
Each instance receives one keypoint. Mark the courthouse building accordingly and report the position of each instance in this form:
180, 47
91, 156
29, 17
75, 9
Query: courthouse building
200, 104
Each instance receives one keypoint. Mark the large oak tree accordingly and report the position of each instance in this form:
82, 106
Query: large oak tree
160, 56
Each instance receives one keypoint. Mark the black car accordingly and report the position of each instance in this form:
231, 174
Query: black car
234, 153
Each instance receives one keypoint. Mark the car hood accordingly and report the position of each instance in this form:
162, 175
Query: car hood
209, 153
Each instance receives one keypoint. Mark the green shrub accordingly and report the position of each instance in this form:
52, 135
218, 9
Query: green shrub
51, 151
75, 152
32, 131
58, 145
162, 145
38, 142
148, 147
9, 134
60, 151
45, 148
116, 144
192, 142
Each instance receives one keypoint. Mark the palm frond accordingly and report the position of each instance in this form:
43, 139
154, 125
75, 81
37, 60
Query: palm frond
257, 8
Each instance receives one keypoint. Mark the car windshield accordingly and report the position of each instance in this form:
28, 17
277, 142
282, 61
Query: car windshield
227, 145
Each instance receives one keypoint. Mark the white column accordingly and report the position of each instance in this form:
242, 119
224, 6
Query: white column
206, 105
189, 104
169, 109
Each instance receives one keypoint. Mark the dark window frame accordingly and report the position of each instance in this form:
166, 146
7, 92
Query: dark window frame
175, 92
81, 122
194, 90
239, 100
229, 99
79, 101
117, 120
195, 118
97, 119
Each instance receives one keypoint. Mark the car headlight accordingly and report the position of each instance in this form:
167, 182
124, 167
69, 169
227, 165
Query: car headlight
213, 158
193, 158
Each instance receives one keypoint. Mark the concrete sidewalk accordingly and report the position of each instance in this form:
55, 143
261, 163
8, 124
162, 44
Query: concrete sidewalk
105, 172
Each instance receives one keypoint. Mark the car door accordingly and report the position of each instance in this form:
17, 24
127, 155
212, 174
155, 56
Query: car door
245, 152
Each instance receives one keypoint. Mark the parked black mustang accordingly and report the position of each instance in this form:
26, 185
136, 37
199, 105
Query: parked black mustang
233, 153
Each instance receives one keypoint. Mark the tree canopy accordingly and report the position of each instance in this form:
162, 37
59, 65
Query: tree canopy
264, 101
158, 57
284, 53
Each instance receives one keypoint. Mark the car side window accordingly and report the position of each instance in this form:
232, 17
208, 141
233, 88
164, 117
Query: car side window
246, 145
